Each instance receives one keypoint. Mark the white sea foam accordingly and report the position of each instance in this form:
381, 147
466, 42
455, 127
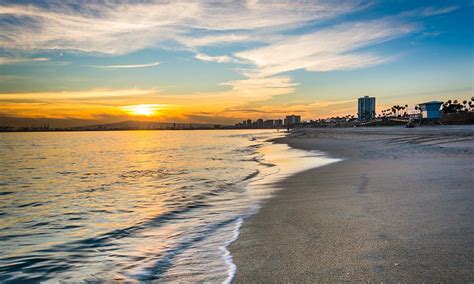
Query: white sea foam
232, 268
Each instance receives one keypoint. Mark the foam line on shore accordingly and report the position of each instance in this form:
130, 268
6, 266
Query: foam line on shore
288, 161
232, 268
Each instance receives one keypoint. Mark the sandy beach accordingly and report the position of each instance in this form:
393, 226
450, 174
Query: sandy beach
399, 207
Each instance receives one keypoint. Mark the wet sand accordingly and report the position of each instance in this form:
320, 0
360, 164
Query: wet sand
399, 207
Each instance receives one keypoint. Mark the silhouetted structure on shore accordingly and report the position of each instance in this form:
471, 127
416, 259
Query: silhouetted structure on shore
289, 121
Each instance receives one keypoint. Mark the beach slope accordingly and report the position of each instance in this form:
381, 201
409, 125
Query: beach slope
399, 207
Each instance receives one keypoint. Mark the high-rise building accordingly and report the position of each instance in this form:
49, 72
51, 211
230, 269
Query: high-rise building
366, 108
278, 122
292, 119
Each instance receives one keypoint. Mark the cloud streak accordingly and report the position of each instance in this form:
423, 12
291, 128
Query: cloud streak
432, 11
219, 59
127, 66
18, 60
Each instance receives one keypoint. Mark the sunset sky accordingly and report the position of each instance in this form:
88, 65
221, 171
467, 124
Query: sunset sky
78, 62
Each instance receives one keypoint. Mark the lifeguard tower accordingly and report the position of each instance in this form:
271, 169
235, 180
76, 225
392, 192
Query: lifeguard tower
431, 111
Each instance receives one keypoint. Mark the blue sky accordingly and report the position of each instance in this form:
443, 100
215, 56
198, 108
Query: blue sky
222, 61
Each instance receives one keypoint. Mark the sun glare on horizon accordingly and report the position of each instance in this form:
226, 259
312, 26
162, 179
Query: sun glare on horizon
143, 110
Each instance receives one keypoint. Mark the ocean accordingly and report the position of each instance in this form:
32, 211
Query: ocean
134, 205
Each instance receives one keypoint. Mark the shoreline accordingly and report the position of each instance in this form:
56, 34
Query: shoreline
397, 208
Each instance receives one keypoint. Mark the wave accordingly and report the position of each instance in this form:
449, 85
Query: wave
166, 260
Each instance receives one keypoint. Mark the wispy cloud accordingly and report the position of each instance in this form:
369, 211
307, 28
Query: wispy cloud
219, 59
17, 60
209, 40
329, 49
109, 27
433, 11
429, 11
126, 66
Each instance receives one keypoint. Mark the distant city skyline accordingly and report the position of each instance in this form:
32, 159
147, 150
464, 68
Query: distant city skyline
68, 63
288, 121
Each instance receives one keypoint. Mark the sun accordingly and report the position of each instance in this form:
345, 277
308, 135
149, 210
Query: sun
142, 110
145, 110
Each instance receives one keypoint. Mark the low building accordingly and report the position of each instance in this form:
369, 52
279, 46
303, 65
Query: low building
431, 110
278, 122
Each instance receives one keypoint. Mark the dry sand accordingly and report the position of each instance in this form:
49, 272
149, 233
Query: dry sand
399, 207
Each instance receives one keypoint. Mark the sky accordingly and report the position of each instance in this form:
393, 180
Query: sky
79, 62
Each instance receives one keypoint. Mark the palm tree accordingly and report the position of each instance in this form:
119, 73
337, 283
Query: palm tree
398, 108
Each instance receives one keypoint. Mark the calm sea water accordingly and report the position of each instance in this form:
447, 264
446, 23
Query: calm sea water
133, 205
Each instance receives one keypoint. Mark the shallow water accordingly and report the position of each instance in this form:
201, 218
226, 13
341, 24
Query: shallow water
133, 205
